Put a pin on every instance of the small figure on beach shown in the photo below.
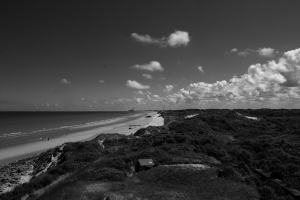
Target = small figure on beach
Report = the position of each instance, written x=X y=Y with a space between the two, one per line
x=48 y=138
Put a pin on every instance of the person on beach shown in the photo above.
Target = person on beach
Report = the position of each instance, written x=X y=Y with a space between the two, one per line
x=48 y=138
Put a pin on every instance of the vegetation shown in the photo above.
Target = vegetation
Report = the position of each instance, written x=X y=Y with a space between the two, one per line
x=235 y=145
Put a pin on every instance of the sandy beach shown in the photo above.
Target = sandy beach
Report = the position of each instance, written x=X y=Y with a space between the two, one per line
x=18 y=152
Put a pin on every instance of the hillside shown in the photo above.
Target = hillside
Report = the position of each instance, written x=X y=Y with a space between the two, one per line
x=199 y=154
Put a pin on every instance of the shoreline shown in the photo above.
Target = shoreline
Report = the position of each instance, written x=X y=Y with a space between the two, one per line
x=11 y=154
x=19 y=169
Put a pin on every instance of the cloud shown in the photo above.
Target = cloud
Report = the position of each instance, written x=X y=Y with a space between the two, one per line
x=200 y=69
x=179 y=38
x=289 y=67
x=274 y=84
x=64 y=81
x=145 y=38
x=148 y=76
x=136 y=85
x=169 y=88
x=267 y=52
x=263 y=52
x=270 y=82
x=176 y=39
x=141 y=92
x=101 y=81
x=152 y=66
x=263 y=85
x=244 y=53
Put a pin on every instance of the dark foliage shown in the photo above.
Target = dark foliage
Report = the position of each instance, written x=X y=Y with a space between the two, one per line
x=270 y=143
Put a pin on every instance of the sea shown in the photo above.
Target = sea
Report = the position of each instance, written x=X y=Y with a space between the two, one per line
x=17 y=128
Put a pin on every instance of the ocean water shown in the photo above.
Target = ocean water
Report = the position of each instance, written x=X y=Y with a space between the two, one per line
x=18 y=128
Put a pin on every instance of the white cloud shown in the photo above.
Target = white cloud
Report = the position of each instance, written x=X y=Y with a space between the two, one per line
x=264 y=52
x=200 y=69
x=137 y=85
x=141 y=92
x=178 y=38
x=169 y=88
x=148 y=76
x=289 y=67
x=267 y=52
x=101 y=81
x=64 y=81
x=244 y=53
x=152 y=66
x=275 y=84
x=144 y=38
x=262 y=83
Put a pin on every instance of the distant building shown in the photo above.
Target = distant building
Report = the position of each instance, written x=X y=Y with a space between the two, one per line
x=144 y=164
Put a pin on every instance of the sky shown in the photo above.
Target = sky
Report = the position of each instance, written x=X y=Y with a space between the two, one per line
x=141 y=54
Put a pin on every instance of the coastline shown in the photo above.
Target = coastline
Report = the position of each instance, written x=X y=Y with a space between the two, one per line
x=18 y=169
x=11 y=154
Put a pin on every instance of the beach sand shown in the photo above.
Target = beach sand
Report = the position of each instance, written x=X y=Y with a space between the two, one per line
x=18 y=152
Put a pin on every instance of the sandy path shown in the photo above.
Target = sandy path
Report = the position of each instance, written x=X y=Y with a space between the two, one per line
x=13 y=153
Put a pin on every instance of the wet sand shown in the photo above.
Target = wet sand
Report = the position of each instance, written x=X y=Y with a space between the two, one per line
x=18 y=152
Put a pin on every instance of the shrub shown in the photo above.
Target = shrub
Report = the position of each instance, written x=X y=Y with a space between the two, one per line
x=118 y=163
x=267 y=193
x=109 y=174
x=226 y=172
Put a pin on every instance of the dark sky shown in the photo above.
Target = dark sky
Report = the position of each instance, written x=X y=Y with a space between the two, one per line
x=79 y=55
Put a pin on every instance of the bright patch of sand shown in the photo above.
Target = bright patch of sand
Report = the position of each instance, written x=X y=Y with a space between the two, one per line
x=156 y=120
x=254 y=118
x=189 y=166
x=190 y=116
x=126 y=128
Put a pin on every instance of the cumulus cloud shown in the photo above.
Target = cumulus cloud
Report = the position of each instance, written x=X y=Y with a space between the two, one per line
x=178 y=38
x=263 y=52
x=262 y=82
x=152 y=66
x=289 y=67
x=169 y=88
x=148 y=76
x=200 y=69
x=136 y=85
x=274 y=84
x=101 y=81
x=266 y=52
x=64 y=81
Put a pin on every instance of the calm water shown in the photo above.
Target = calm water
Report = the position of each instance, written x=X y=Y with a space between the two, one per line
x=22 y=127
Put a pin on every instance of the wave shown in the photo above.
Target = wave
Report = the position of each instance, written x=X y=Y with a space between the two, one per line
x=43 y=130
